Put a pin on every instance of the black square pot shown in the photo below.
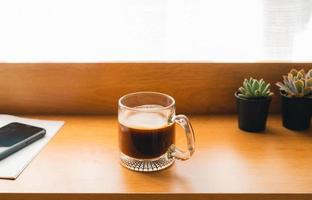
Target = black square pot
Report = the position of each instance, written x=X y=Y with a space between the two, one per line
x=296 y=112
x=252 y=113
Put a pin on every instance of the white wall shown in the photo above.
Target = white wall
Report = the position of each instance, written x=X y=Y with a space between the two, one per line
x=154 y=30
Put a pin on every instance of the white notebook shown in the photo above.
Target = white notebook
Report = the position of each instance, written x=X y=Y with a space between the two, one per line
x=13 y=165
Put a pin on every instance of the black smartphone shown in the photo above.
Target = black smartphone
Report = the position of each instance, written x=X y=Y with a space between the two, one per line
x=15 y=136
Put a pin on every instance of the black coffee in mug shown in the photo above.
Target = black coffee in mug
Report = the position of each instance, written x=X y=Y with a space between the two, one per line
x=146 y=136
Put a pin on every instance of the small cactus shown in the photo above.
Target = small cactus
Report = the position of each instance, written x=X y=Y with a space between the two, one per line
x=297 y=83
x=254 y=88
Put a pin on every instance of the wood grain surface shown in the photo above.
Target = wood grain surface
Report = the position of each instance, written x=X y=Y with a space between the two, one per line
x=198 y=88
x=82 y=162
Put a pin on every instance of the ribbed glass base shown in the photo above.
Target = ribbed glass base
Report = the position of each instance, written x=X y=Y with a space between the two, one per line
x=146 y=165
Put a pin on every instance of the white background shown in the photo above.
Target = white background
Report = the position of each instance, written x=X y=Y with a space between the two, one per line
x=155 y=30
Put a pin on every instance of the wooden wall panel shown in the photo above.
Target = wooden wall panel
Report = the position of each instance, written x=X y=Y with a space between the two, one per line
x=72 y=88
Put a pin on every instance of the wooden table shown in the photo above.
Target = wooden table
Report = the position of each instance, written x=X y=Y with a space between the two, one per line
x=81 y=162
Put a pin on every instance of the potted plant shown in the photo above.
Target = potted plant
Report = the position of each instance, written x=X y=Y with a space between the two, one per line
x=296 y=93
x=253 y=102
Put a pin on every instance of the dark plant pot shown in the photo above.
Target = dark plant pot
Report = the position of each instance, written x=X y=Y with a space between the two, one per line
x=296 y=112
x=252 y=113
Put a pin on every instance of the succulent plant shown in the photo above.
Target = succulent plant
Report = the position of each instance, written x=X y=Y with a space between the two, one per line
x=297 y=83
x=254 y=88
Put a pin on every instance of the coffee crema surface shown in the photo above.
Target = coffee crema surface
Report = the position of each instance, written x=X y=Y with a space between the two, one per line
x=145 y=135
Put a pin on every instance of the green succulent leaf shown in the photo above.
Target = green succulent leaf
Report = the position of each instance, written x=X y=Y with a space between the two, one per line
x=261 y=84
x=297 y=83
x=242 y=90
x=266 y=89
x=242 y=95
x=255 y=85
x=300 y=74
x=253 y=88
x=293 y=72
x=250 y=90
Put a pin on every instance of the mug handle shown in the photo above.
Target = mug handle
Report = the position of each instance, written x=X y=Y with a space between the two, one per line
x=175 y=152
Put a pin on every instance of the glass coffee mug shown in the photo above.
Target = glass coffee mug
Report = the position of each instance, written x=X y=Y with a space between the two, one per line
x=147 y=131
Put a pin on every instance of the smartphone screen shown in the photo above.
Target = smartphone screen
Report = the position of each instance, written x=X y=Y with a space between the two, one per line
x=14 y=133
